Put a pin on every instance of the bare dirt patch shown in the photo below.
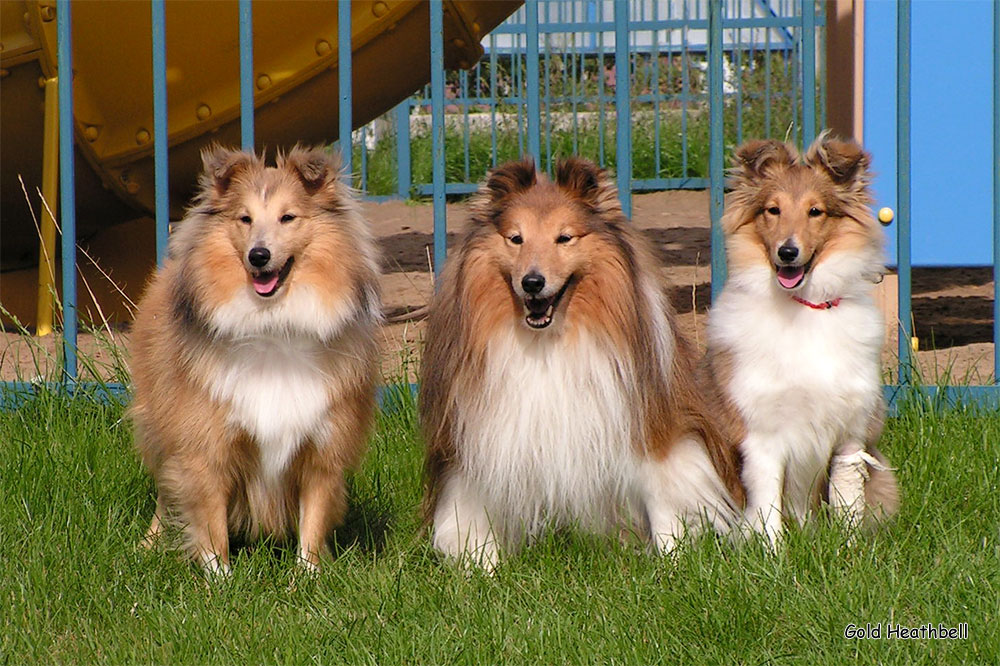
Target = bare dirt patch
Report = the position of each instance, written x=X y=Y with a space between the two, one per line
x=952 y=307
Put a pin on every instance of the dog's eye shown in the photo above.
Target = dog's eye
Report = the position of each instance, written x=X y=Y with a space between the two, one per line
x=774 y=210
x=563 y=238
x=815 y=212
x=287 y=218
x=516 y=239
x=246 y=219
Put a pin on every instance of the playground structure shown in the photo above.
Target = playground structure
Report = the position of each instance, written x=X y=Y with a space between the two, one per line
x=295 y=96
x=881 y=117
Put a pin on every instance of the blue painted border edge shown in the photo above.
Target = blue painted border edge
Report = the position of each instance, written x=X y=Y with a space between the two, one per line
x=14 y=394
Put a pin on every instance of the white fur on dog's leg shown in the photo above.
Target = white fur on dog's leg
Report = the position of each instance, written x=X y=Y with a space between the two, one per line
x=462 y=528
x=762 y=477
x=214 y=567
x=307 y=561
x=681 y=493
x=848 y=475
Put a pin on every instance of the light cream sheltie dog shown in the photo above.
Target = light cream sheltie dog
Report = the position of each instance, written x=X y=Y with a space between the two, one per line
x=555 y=389
x=254 y=355
x=795 y=337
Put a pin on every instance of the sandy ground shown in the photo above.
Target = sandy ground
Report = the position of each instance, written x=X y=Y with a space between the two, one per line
x=952 y=308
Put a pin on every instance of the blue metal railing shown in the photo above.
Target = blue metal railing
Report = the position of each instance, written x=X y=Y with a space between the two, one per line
x=518 y=67
x=576 y=46
x=67 y=187
x=345 y=82
x=996 y=190
x=159 y=38
x=903 y=191
x=246 y=75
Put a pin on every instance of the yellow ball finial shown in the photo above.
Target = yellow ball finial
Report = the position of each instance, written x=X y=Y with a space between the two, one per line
x=885 y=215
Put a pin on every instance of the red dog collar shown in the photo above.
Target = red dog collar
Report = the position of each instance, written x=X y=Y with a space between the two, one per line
x=825 y=305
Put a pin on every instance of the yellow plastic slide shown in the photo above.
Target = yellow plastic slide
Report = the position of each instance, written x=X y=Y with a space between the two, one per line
x=295 y=62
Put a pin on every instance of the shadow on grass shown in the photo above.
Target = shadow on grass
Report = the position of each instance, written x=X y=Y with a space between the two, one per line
x=366 y=526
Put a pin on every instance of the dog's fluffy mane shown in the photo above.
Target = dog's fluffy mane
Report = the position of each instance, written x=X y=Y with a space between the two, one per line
x=316 y=175
x=623 y=297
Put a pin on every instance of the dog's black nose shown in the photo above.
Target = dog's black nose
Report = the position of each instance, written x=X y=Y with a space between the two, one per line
x=259 y=256
x=532 y=283
x=787 y=253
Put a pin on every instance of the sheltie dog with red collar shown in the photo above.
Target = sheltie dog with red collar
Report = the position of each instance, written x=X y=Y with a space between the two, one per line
x=794 y=339
x=555 y=388
x=254 y=355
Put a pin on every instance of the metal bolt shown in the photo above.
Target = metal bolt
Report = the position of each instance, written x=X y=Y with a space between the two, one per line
x=204 y=112
x=142 y=136
x=48 y=13
x=130 y=185
x=886 y=215
x=322 y=47
x=91 y=132
x=379 y=9
x=263 y=82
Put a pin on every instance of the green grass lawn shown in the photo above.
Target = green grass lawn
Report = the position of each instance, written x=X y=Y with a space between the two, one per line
x=74 y=586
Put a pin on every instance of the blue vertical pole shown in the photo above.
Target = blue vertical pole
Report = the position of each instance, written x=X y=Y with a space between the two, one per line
x=996 y=192
x=903 y=187
x=344 y=81
x=160 y=128
x=808 y=71
x=437 y=132
x=623 y=108
x=716 y=171
x=246 y=75
x=534 y=107
x=67 y=186
x=403 y=177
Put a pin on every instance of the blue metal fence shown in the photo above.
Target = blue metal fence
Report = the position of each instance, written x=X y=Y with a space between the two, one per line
x=736 y=41
x=550 y=84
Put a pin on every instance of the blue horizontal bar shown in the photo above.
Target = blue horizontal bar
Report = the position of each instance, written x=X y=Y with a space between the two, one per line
x=427 y=190
x=638 y=184
x=15 y=394
x=645 y=184
x=665 y=24
x=690 y=47
x=941 y=397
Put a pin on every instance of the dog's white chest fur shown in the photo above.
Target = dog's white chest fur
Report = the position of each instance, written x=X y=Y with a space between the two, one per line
x=276 y=392
x=549 y=439
x=804 y=380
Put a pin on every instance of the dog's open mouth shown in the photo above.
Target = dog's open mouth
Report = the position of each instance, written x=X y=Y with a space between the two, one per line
x=267 y=283
x=541 y=310
x=791 y=277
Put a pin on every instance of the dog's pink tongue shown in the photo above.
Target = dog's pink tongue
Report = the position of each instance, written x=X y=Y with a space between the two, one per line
x=790 y=276
x=265 y=284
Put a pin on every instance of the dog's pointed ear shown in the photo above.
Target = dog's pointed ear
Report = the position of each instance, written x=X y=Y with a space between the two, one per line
x=846 y=162
x=510 y=178
x=501 y=182
x=221 y=165
x=316 y=168
x=590 y=184
x=754 y=158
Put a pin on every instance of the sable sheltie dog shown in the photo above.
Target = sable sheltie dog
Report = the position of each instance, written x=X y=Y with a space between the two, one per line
x=254 y=355
x=555 y=387
x=795 y=337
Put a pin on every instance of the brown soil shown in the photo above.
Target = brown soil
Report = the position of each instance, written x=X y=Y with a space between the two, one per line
x=952 y=308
